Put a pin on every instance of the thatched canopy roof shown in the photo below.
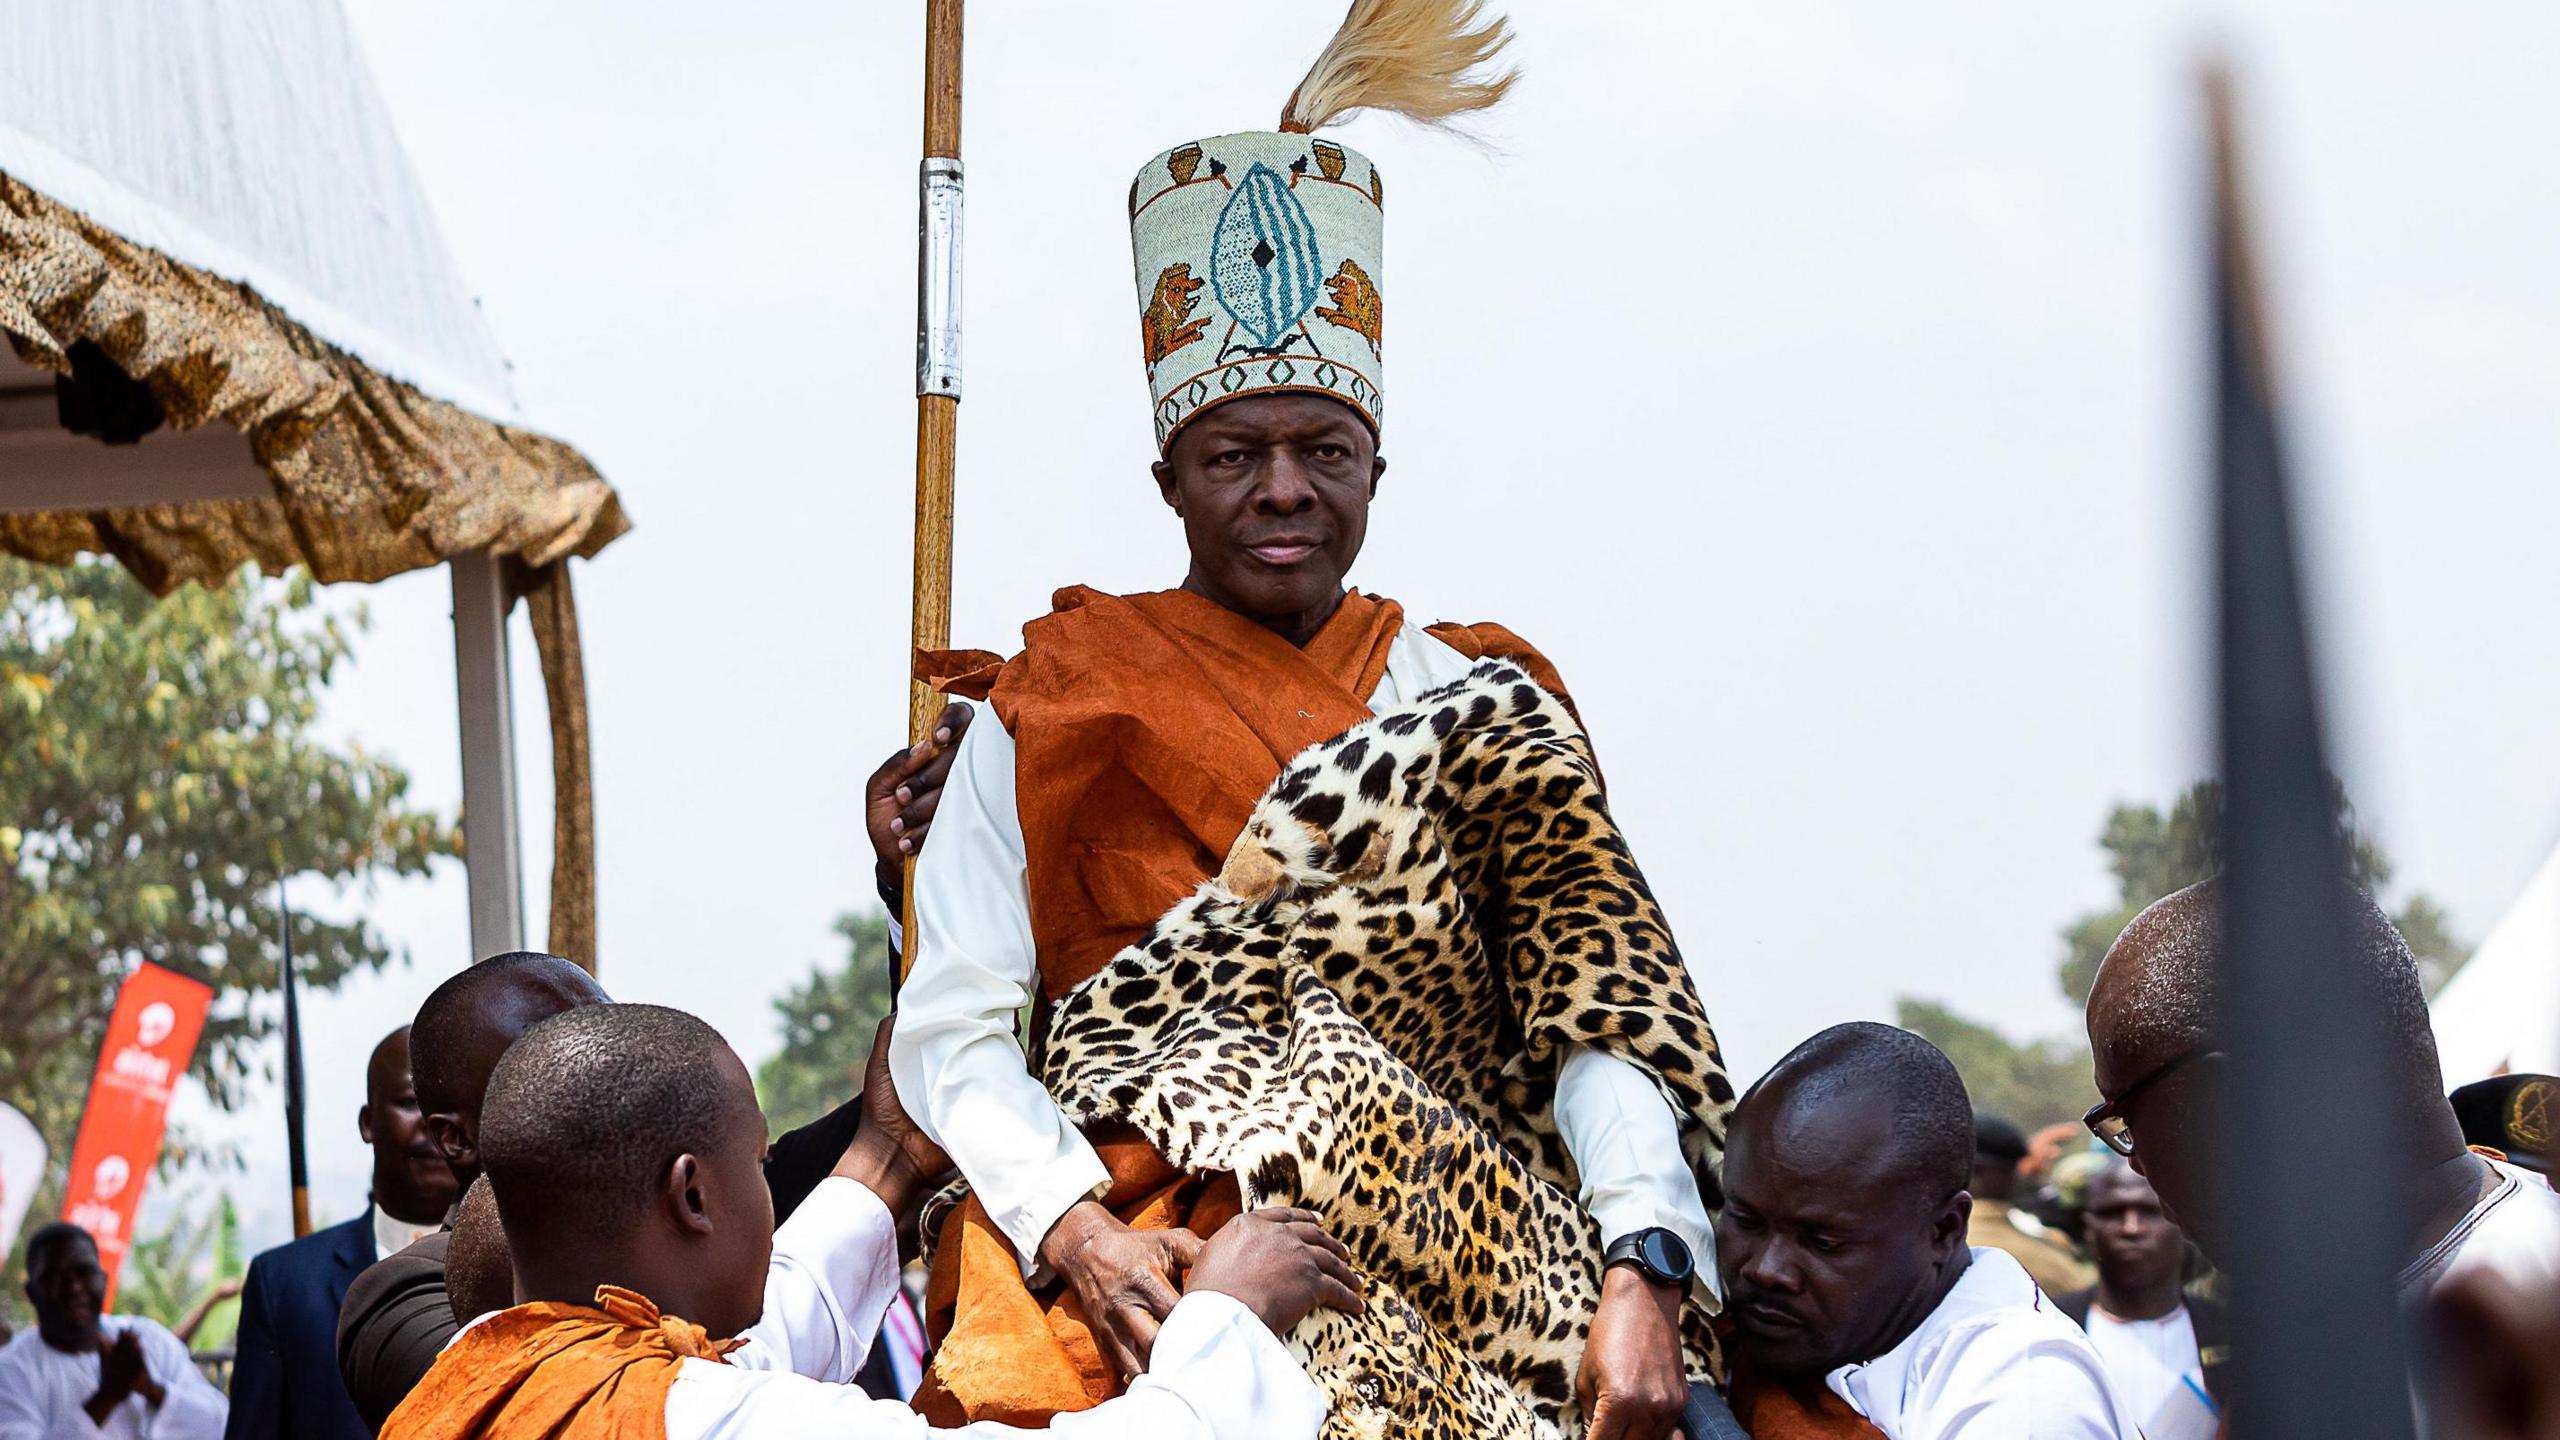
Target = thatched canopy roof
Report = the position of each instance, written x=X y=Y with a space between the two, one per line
x=204 y=213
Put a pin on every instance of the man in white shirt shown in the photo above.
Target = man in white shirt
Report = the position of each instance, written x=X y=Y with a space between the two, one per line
x=623 y=1145
x=2155 y=1030
x=2139 y=1316
x=1842 y=1245
x=82 y=1374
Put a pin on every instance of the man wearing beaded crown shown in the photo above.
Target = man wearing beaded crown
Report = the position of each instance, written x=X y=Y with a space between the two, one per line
x=1136 y=732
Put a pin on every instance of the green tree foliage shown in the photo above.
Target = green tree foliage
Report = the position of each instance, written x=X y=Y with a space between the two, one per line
x=162 y=767
x=827 y=1025
x=2152 y=855
x=2042 y=1082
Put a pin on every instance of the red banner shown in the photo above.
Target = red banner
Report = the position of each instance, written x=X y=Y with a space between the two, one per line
x=150 y=1039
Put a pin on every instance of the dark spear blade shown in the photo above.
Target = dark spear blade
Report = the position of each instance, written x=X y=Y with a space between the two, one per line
x=2320 y=1352
x=297 y=1163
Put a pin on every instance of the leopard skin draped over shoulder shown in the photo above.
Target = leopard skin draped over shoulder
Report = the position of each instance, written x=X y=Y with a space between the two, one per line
x=1363 y=1014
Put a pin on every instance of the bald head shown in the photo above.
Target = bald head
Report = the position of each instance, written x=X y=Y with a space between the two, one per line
x=623 y=1145
x=387 y=1072
x=1845 y=1201
x=468 y=1023
x=479 y=1276
x=410 y=1178
x=2158 y=993
x=587 y=1109
x=2157 y=1037
x=1885 y=1079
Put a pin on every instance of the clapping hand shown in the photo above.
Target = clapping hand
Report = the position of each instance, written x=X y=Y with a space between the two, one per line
x=121 y=1374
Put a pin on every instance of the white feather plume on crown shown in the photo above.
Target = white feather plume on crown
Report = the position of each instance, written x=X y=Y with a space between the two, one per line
x=1407 y=57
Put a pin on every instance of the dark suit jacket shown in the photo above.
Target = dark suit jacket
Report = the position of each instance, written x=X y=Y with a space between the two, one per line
x=397 y=1316
x=284 y=1383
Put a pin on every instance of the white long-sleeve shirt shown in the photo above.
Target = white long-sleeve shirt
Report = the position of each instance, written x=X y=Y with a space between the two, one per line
x=1994 y=1361
x=961 y=1070
x=1216 y=1372
x=43 y=1389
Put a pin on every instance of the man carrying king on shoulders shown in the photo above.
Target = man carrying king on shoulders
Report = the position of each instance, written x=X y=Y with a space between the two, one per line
x=1135 y=733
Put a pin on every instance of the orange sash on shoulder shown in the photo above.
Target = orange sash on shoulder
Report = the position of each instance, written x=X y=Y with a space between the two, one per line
x=1771 y=1409
x=550 y=1371
x=1145 y=727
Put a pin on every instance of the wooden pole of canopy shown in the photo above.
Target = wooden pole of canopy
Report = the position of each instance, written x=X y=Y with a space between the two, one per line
x=937 y=378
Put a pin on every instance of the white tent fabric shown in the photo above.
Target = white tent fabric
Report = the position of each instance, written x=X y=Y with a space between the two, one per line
x=2500 y=1013
x=244 y=137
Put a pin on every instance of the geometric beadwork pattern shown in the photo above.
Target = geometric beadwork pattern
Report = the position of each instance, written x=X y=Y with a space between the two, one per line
x=1285 y=232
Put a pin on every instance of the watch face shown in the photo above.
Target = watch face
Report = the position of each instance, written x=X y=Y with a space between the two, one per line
x=1665 y=1254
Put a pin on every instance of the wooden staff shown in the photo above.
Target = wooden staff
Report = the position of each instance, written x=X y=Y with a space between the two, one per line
x=937 y=380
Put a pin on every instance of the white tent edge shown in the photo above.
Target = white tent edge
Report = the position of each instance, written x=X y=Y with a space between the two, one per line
x=66 y=181
x=2500 y=1014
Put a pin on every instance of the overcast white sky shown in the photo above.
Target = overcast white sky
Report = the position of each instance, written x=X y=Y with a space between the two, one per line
x=1814 y=382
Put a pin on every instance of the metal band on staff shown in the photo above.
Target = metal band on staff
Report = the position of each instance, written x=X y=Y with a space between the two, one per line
x=939 y=197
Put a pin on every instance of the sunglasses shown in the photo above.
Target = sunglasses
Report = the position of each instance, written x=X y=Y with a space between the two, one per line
x=2106 y=1119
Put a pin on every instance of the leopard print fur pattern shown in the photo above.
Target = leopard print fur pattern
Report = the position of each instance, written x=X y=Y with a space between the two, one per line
x=1363 y=1012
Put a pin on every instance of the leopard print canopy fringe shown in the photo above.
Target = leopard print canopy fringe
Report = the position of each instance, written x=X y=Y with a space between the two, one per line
x=1363 y=1014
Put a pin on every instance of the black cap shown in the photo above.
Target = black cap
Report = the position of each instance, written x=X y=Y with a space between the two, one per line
x=2514 y=1114
x=1997 y=1139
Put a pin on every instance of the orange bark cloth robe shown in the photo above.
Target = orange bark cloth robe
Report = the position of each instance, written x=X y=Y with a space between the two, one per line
x=1146 y=728
x=550 y=1371
x=622 y=1369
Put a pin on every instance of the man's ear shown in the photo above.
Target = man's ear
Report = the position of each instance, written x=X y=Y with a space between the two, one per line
x=1377 y=472
x=686 y=1204
x=1167 y=485
x=461 y=1147
x=364 y=1121
x=1946 y=1232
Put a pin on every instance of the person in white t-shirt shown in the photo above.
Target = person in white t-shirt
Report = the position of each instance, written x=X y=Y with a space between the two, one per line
x=81 y=1374
x=623 y=1146
x=2155 y=1030
x=2139 y=1316
x=1842 y=1250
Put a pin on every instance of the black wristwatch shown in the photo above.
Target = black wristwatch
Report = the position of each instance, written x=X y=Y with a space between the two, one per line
x=1661 y=1254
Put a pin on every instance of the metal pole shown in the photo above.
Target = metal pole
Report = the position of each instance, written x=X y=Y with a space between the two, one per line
x=492 y=842
x=2316 y=1235
x=297 y=1162
x=937 y=378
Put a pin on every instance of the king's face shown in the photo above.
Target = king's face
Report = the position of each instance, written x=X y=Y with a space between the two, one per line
x=1273 y=491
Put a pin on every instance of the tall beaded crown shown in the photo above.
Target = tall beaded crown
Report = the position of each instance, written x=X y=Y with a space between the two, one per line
x=1258 y=255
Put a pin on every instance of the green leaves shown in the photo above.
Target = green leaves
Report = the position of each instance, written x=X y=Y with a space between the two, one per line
x=159 y=769
x=2039 y=1083
x=827 y=1024
x=2152 y=855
